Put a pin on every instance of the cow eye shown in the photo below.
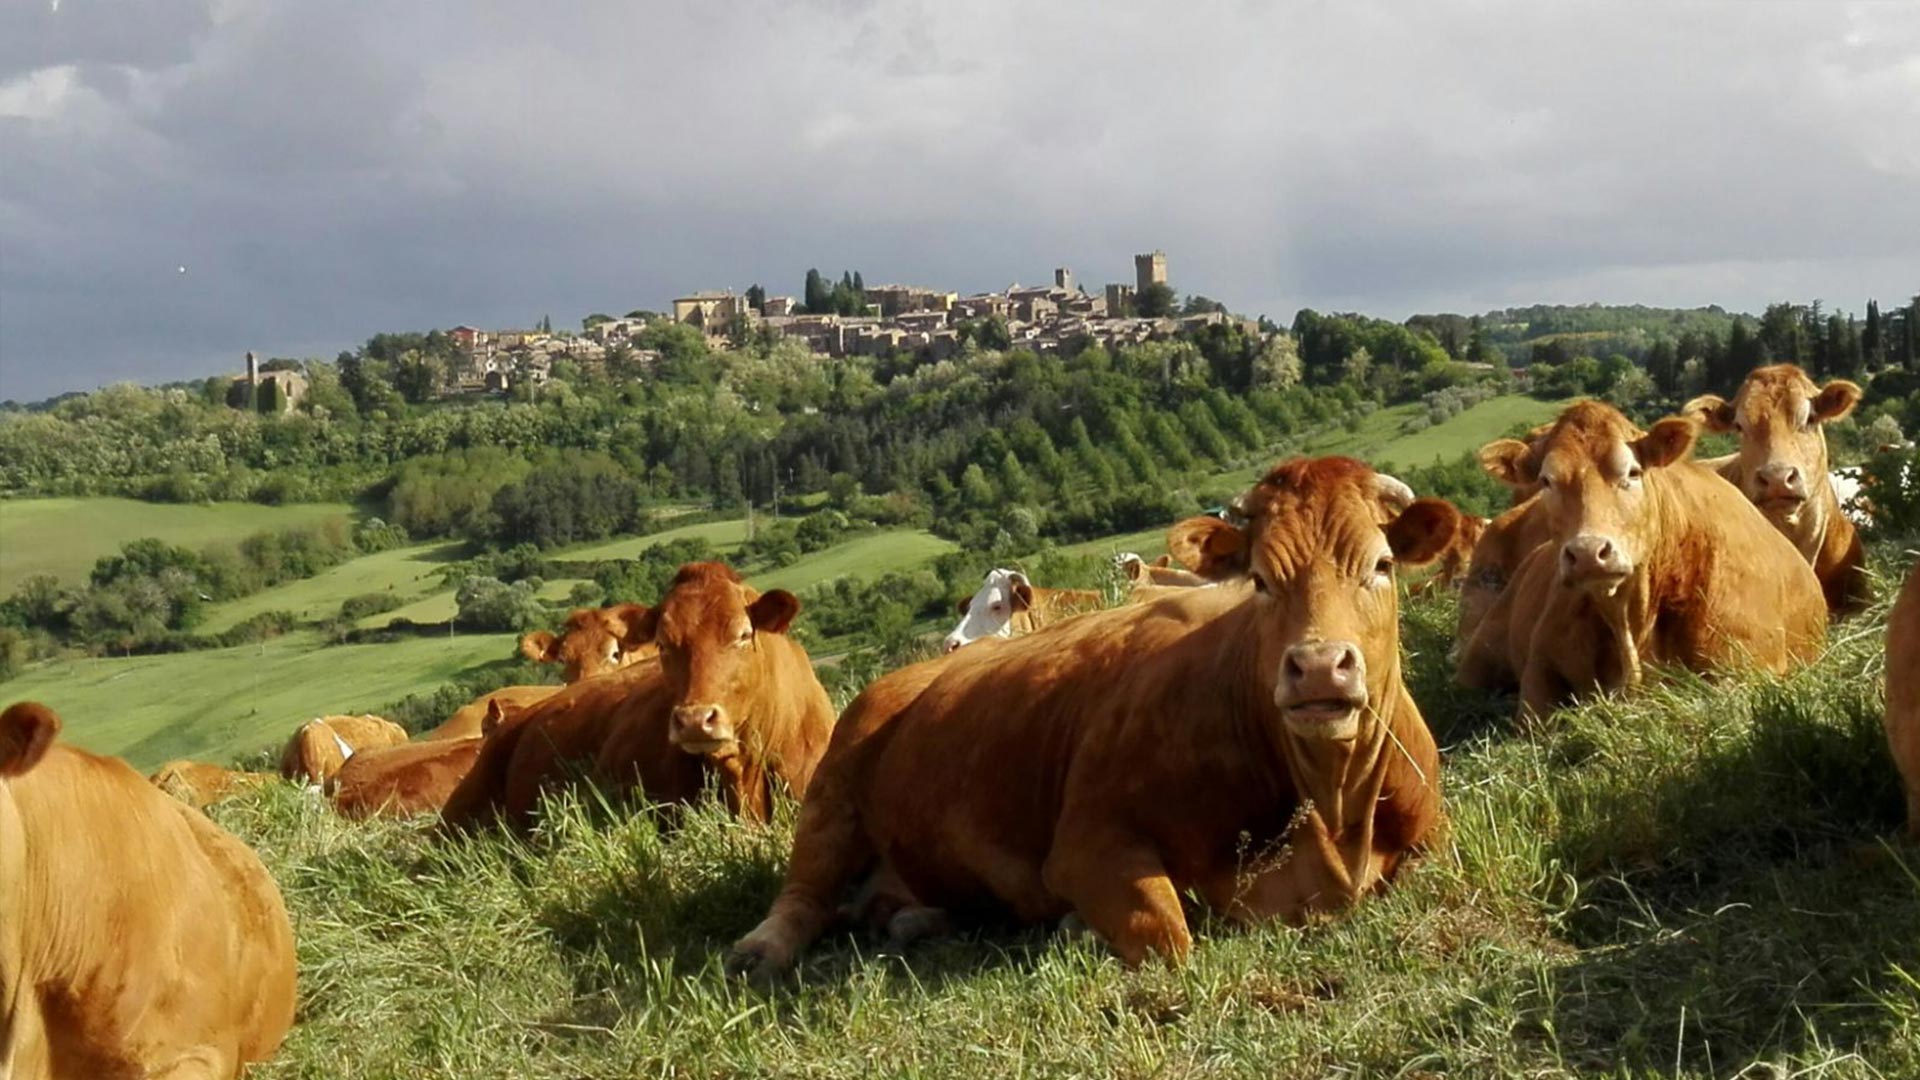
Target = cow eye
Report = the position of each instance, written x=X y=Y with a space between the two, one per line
x=1260 y=585
x=1634 y=473
x=1384 y=567
x=1739 y=428
x=997 y=607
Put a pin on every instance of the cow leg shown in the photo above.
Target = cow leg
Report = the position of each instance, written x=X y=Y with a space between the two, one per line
x=1122 y=892
x=830 y=851
x=1541 y=692
x=203 y=1063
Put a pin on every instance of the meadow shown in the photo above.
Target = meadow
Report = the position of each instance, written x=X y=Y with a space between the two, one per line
x=1694 y=881
x=65 y=537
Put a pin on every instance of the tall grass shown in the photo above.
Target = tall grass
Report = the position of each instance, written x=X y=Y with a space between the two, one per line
x=1696 y=880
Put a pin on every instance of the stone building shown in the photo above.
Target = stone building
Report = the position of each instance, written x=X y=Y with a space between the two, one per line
x=1149 y=269
x=270 y=391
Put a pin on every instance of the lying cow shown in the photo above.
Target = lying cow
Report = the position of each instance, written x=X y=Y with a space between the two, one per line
x=403 y=781
x=470 y=720
x=593 y=642
x=1255 y=749
x=322 y=745
x=731 y=699
x=1780 y=415
x=1652 y=559
x=200 y=785
x=1903 y=694
x=137 y=938
x=1008 y=605
x=1161 y=572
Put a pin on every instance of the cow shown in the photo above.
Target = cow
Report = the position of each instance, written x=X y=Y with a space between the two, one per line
x=1779 y=415
x=1903 y=694
x=137 y=938
x=1007 y=604
x=593 y=642
x=1454 y=559
x=731 y=699
x=1254 y=748
x=1486 y=597
x=403 y=781
x=1161 y=572
x=322 y=745
x=470 y=720
x=200 y=785
x=1651 y=559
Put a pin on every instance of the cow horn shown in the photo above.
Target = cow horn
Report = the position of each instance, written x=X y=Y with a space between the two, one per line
x=1393 y=492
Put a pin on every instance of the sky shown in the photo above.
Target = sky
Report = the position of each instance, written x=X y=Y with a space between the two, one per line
x=184 y=180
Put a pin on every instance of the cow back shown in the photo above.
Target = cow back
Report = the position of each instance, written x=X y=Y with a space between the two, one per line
x=402 y=781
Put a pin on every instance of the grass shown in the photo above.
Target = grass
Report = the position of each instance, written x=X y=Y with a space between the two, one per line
x=65 y=537
x=725 y=535
x=863 y=556
x=1467 y=432
x=219 y=704
x=1692 y=881
x=406 y=572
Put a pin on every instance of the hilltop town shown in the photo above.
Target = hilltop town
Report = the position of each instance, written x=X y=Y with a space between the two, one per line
x=884 y=320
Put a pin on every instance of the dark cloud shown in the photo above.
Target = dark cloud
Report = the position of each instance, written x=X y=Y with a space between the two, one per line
x=328 y=170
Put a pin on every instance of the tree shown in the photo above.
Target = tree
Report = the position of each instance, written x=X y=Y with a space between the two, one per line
x=1155 y=301
x=756 y=297
x=1872 y=342
x=1015 y=484
x=1278 y=365
x=815 y=295
x=1663 y=367
x=976 y=491
x=594 y=320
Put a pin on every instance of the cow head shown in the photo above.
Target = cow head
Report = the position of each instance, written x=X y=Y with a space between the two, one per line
x=593 y=642
x=708 y=628
x=1593 y=468
x=1320 y=543
x=1001 y=602
x=1778 y=414
x=27 y=731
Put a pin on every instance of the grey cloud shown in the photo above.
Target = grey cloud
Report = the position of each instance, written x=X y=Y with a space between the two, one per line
x=329 y=170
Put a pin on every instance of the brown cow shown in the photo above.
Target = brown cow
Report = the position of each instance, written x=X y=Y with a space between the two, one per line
x=1903 y=693
x=593 y=642
x=200 y=785
x=1486 y=597
x=402 y=781
x=322 y=745
x=1161 y=572
x=1782 y=467
x=1453 y=561
x=470 y=720
x=1256 y=749
x=137 y=938
x=1653 y=560
x=731 y=697
x=1009 y=605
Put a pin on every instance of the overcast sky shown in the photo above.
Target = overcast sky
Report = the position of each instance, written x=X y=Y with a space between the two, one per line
x=325 y=170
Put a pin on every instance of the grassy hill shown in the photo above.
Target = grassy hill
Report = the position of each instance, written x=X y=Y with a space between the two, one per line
x=408 y=572
x=217 y=704
x=65 y=537
x=1691 y=882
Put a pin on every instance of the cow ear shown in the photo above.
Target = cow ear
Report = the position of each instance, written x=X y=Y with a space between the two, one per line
x=495 y=714
x=1509 y=461
x=1208 y=547
x=961 y=607
x=1163 y=561
x=1666 y=442
x=773 y=612
x=1835 y=401
x=540 y=647
x=1711 y=411
x=1020 y=593
x=642 y=627
x=1423 y=530
x=27 y=731
x=626 y=618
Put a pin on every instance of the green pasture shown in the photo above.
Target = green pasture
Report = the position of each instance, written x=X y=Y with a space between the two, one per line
x=65 y=537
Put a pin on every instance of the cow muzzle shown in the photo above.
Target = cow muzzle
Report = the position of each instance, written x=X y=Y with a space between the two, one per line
x=1780 y=488
x=700 y=729
x=1594 y=561
x=951 y=645
x=1323 y=689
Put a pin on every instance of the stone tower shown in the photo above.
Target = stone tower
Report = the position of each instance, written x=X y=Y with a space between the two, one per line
x=1063 y=279
x=1149 y=269
x=253 y=369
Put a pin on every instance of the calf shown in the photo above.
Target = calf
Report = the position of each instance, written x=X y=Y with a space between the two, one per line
x=1008 y=605
x=1780 y=416
x=1651 y=559
x=137 y=938
x=1903 y=694
x=1255 y=749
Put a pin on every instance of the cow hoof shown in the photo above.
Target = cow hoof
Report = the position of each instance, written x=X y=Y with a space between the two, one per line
x=756 y=962
x=914 y=924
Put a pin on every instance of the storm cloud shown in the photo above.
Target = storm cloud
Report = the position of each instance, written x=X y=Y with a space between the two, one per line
x=323 y=171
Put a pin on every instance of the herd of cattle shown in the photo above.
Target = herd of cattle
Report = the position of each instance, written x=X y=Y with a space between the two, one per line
x=1239 y=732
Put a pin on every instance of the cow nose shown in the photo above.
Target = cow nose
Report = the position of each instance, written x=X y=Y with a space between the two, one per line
x=702 y=723
x=1326 y=671
x=1592 y=556
x=1777 y=480
x=952 y=645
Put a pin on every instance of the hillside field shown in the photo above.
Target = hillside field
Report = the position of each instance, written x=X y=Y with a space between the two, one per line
x=1695 y=882
x=65 y=537
x=220 y=704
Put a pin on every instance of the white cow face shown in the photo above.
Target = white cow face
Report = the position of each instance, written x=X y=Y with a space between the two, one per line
x=991 y=611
